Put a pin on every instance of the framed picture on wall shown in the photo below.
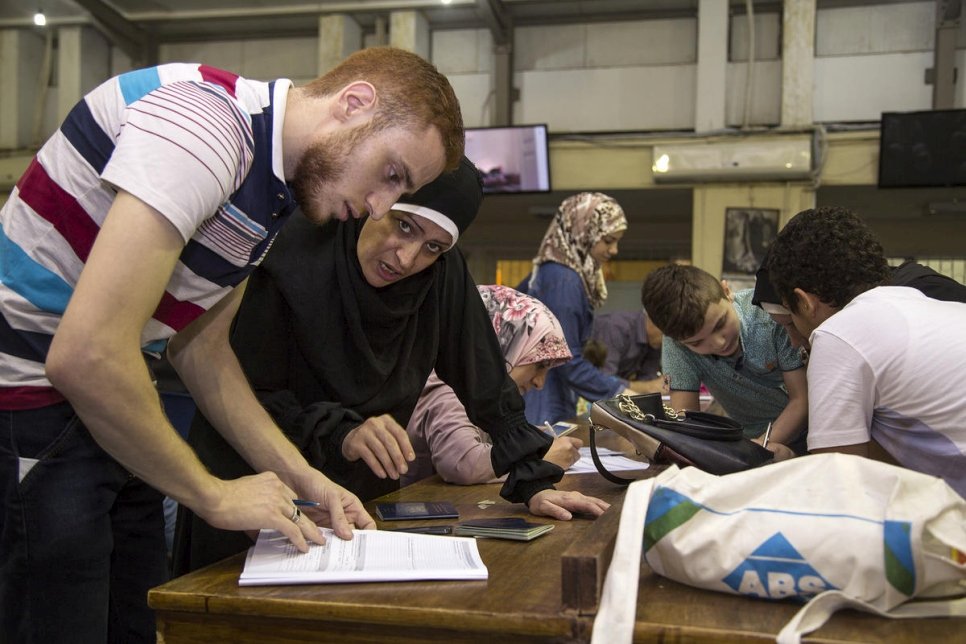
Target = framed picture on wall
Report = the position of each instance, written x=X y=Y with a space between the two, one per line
x=748 y=234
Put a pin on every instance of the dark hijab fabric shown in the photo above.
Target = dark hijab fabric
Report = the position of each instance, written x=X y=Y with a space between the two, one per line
x=324 y=350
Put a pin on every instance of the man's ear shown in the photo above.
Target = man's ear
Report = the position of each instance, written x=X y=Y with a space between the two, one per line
x=808 y=303
x=355 y=100
x=729 y=294
x=813 y=308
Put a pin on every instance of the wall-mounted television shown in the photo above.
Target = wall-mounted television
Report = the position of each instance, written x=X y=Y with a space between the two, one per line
x=922 y=149
x=511 y=159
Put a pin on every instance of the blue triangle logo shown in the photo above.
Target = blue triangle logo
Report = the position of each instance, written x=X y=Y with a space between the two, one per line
x=776 y=570
x=777 y=546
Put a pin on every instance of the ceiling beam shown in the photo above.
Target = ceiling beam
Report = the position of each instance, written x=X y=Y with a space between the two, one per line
x=130 y=38
x=497 y=20
x=313 y=9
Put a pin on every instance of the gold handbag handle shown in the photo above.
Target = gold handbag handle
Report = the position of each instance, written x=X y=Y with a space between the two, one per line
x=627 y=405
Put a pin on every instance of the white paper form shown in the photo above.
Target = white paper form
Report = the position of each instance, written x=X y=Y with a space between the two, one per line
x=371 y=555
x=613 y=461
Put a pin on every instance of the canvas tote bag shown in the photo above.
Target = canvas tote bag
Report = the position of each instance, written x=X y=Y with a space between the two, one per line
x=829 y=530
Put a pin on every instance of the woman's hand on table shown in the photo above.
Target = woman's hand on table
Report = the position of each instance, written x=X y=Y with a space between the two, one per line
x=560 y=504
x=564 y=452
x=383 y=444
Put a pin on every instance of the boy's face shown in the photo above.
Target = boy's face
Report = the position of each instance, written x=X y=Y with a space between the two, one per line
x=720 y=334
x=787 y=322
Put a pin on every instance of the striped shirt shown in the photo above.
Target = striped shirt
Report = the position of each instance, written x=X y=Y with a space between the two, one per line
x=200 y=145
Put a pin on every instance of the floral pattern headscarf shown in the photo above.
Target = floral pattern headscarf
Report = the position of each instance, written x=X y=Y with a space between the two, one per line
x=581 y=221
x=525 y=328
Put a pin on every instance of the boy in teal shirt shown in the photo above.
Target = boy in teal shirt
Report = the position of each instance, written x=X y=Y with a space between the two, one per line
x=743 y=357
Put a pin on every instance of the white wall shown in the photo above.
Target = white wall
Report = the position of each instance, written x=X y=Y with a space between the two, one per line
x=266 y=59
x=640 y=75
x=465 y=56
x=21 y=56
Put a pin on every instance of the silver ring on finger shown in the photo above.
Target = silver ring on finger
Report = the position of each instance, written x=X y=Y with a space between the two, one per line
x=296 y=514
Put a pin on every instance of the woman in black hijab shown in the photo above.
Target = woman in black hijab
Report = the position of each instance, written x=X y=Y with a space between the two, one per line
x=338 y=331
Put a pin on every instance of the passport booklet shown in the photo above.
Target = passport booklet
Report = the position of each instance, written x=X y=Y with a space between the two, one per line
x=412 y=510
x=502 y=528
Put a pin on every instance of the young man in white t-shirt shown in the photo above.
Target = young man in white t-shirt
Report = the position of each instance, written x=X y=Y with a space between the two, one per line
x=885 y=360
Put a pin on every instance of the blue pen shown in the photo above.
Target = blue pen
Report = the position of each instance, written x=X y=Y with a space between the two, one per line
x=306 y=504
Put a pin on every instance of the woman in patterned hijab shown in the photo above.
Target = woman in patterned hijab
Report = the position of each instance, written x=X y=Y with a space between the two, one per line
x=568 y=279
x=444 y=438
x=528 y=333
x=582 y=236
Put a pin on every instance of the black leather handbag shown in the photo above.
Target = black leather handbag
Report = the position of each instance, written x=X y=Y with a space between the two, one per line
x=709 y=442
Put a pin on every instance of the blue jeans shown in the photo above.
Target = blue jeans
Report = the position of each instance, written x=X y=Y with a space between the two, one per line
x=81 y=539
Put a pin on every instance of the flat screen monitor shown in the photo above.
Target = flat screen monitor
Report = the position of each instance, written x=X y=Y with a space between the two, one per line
x=922 y=149
x=512 y=159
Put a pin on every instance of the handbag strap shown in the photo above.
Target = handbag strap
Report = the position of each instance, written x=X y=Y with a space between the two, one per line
x=613 y=478
x=702 y=428
x=691 y=423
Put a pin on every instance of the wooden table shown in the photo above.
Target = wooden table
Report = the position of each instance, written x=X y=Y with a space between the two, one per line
x=542 y=591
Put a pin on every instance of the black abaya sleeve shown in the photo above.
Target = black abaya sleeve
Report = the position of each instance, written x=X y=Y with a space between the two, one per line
x=265 y=344
x=471 y=362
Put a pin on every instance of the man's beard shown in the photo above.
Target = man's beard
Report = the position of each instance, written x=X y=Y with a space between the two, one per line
x=323 y=164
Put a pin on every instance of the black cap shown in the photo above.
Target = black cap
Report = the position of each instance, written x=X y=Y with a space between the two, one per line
x=451 y=201
x=765 y=295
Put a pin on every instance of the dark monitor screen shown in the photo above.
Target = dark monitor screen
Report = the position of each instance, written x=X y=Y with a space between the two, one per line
x=511 y=159
x=922 y=149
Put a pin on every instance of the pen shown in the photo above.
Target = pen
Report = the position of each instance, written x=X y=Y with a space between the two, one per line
x=306 y=504
x=428 y=529
x=548 y=426
x=764 y=443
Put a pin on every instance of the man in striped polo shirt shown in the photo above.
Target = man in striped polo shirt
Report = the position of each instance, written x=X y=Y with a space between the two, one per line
x=130 y=232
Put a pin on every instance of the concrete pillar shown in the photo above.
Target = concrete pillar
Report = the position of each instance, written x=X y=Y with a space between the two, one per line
x=709 y=96
x=798 y=62
x=504 y=94
x=83 y=62
x=409 y=30
x=21 y=59
x=944 y=54
x=339 y=36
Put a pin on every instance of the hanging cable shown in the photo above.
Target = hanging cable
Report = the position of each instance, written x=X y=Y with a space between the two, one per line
x=750 y=66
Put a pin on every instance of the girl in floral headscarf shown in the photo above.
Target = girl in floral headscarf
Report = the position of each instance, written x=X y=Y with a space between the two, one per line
x=442 y=435
x=568 y=278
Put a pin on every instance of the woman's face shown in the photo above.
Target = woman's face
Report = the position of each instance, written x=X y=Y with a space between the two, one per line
x=605 y=249
x=529 y=376
x=399 y=246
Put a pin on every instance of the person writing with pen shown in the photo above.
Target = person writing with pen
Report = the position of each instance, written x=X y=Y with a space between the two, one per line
x=132 y=232
x=720 y=339
x=445 y=440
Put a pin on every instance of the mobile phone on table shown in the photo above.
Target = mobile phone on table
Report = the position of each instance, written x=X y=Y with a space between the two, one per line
x=563 y=428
